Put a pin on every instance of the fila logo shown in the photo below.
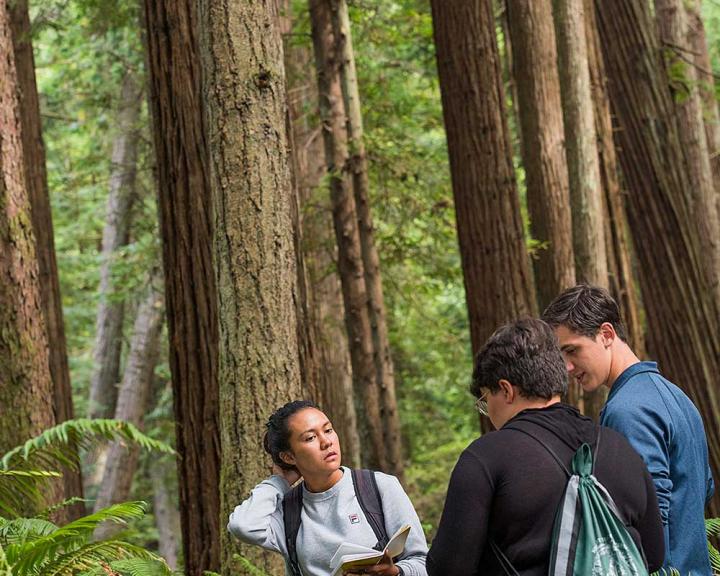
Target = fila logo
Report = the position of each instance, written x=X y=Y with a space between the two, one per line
x=354 y=518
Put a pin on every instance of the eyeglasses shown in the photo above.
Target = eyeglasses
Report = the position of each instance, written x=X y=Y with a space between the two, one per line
x=481 y=404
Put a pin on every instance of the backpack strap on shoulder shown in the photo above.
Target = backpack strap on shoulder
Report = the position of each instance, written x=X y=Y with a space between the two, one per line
x=544 y=445
x=292 y=508
x=368 y=495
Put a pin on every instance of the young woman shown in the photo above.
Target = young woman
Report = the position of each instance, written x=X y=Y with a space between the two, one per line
x=303 y=444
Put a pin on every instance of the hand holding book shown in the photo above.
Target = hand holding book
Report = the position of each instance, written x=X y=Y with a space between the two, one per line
x=352 y=558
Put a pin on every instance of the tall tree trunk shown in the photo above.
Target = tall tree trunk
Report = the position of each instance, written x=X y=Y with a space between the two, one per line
x=347 y=234
x=619 y=245
x=37 y=185
x=498 y=282
x=242 y=60
x=167 y=516
x=26 y=387
x=320 y=251
x=586 y=193
x=680 y=305
x=541 y=123
x=371 y=260
x=675 y=38
x=108 y=337
x=132 y=403
x=706 y=84
x=185 y=207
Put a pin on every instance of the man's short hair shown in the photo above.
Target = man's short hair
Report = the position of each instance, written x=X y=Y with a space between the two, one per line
x=583 y=309
x=526 y=354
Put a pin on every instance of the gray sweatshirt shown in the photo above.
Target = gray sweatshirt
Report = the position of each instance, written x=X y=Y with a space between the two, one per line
x=328 y=519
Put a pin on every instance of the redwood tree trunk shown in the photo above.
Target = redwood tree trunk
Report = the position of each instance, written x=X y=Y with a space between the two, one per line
x=675 y=37
x=185 y=207
x=108 y=337
x=132 y=403
x=541 y=123
x=350 y=261
x=26 y=387
x=167 y=516
x=37 y=185
x=255 y=265
x=621 y=277
x=681 y=308
x=320 y=252
x=498 y=282
x=371 y=260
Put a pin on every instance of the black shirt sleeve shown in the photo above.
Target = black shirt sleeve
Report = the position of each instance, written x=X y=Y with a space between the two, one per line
x=462 y=533
x=650 y=528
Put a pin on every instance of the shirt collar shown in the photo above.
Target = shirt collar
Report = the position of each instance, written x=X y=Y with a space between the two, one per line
x=628 y=373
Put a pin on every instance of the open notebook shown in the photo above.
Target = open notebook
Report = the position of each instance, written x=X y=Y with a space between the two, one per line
x=352 y=555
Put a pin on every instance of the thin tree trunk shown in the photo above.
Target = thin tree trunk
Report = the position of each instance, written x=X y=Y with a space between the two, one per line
x=350 y=261
x=498 y=281
x=371 y=260
x=132 y=403
x=541 y=123
x=26 y=386
x=675 y=37
x=37 y=184
x=255 y=265
x=706 y=83
x=619 y=244
x=167 y=516
x=320 y=251
x=185 y=208
x=108 y=337
x=679 y=302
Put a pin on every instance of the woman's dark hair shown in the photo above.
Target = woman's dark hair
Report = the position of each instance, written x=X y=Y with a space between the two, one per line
x=583 y=309
x=277 y=437
x=526 y=354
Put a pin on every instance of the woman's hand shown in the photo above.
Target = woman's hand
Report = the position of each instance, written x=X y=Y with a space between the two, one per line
x=385 y=567
x=291 y=475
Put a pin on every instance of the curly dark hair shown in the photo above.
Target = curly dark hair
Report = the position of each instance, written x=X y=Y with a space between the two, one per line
x=526 y=354
x=277 y=437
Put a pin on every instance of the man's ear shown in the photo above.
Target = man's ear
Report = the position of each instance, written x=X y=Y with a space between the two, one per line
x=507 y=390
x=607 y=334
x=288 y=458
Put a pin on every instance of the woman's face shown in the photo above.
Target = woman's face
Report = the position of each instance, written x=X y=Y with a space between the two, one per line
x=314 y=446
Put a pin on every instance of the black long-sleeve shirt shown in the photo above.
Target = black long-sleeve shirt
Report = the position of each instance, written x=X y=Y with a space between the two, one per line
x=507 y=487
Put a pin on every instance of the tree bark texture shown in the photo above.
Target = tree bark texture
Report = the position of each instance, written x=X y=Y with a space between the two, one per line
x=706 y=84
x=682 y=313
x=498 y=282
x=167 y=515
x=132 y=402
x=320 y=252
x=674 y=28
x=541 y=123
x=26 y=387
x=586 y=195
x=255 y=265
x=347 y=234
x=108 y=337
x=185 y=208
x=621 y=276
x=371 y=259
x=37 y=185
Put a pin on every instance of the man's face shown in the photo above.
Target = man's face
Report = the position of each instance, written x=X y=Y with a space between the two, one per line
x=587 y=360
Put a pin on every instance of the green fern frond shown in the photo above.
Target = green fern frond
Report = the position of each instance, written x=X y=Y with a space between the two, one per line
x=92 y=555
x=712 y=526
x=64 y=504
x=134 y=567
x=714 y=558
x=23 y=530
x=59 y=444
x=249 y=567
x=5 y=569
x=72 y=536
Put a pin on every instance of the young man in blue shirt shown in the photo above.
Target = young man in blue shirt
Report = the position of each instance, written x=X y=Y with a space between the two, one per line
x=658 y=419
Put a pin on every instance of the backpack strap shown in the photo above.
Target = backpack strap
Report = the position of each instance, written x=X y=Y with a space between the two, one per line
x=368 y=495
x=544 y=445
x=505 y=564
x=292 y=508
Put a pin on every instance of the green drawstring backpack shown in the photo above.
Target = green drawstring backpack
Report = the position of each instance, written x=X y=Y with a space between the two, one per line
x=589 y=535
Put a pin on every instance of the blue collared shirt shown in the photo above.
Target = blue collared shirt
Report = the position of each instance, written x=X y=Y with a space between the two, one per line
x=666 y=429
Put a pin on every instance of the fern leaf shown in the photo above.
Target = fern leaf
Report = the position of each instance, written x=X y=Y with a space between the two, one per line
x=94 y=554
x=21 y=530
x=134 y=567
x=712 y=526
